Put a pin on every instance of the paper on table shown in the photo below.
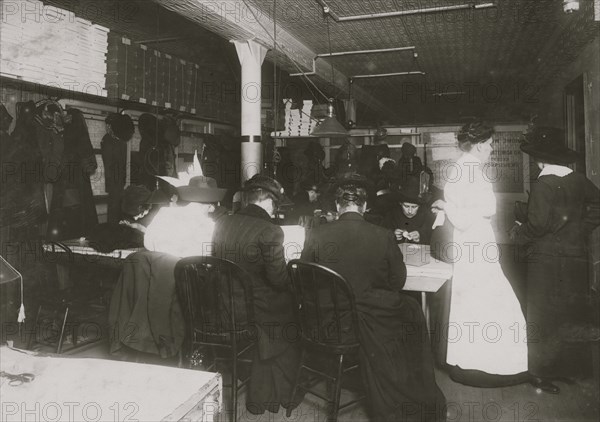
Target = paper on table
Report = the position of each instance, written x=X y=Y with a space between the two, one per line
x=173 y=181
x=293 y=241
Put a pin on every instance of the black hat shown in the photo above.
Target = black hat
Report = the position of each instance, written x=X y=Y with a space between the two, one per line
x=308 y=184
x=147 y=124
x=408 y=149
x=268 y=184
x=353 y=179
x=201 y=189
x=410 y=192
x=121 y=125
x=547 y=144
x=134 y=197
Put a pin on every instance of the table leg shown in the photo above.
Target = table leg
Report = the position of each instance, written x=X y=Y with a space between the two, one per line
x=64 y=279
x=425 y=310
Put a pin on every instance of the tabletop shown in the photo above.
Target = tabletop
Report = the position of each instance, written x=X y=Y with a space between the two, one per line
x=423 y=272
x=67 y=389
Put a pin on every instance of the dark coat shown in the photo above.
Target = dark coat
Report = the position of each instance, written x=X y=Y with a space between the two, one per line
x=422 y=222
x=114 y=157
x=144 y=312
x=22 y=199
x=395 y=356
x=251 y=240
x=73 y=211
x=561 y=212
x=409 y=167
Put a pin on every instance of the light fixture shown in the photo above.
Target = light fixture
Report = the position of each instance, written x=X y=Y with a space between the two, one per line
x=330 y=127
x=570 y=6
x=350 y=107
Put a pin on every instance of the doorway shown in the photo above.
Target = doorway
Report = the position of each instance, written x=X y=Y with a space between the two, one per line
x=575 y=120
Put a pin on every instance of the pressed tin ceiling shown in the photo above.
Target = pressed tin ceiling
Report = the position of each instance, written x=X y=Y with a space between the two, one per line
x=480 y=61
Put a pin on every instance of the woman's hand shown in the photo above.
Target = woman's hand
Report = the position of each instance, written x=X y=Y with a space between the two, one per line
x=401 y=235
x=414 y=236
x=136 y=226
x=438 y=206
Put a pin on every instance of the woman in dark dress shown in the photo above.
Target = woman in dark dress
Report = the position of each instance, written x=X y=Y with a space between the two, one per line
x=563 y=208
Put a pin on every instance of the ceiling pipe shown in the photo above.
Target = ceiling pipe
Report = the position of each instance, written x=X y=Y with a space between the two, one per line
x=348 y=53
x=378 y=50
x=311 y=73
x=383 y=75
x=327 y=10
x=160 y=40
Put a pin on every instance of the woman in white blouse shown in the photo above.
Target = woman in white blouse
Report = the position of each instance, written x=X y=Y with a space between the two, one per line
x=487 y=343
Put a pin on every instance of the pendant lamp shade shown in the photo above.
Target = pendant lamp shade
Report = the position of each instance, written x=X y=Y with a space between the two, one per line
x=330 y=127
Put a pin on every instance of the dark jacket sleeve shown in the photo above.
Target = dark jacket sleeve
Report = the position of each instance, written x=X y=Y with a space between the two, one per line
x=396 y=264
x=389 y=220
x=425 y=229
x=271 y=248
x=591 y=218
x=539 y=212
x=308 y=251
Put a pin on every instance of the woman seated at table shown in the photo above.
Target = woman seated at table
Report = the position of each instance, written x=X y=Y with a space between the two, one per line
x=410 y=221
x=186 y=229
x=129 y=232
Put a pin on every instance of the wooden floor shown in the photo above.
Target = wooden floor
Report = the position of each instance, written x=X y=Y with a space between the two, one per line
x=577 y=402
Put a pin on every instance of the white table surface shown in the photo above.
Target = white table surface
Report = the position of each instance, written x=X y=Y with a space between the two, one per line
x=115 y=391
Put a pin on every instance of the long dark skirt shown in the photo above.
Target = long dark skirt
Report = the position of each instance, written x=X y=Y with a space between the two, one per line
x=396 y=361
x=557 y=301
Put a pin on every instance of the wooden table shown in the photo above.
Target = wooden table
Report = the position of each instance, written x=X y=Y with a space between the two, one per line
x=78 y=251
x=68 y=389
x=428 y=276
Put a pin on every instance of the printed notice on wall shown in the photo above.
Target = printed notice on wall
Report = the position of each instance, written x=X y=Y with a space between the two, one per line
x=504 y=169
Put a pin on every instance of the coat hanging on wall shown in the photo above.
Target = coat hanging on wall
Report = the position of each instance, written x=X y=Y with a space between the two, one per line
x=114 y=156
x=73 y=211
x=22 y=202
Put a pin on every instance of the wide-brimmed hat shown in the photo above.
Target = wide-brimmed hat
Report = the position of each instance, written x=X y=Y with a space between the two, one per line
x=410 y=192
x=548 y=144
x=268 y=184
x=201 y=189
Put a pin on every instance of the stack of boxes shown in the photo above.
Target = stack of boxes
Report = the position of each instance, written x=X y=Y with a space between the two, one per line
x=139 y=73
x=50 y=46
x=297 y=121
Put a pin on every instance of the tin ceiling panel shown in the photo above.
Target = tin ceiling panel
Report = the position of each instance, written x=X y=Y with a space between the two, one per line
x=517 y=45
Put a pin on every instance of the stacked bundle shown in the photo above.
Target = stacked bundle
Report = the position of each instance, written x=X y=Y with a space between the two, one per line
x=51 y=47
x=305 y=125
x=298 y=122
x=290 y=117
x=139 y=73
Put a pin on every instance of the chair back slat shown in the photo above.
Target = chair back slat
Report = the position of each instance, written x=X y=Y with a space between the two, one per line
x=326 y=304
x=215 y=296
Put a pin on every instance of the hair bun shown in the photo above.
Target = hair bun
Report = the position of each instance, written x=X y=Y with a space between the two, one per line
x=475 y=132
x=350 y=197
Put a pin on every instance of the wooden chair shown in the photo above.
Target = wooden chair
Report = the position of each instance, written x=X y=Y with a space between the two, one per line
x=67 y=312
x=216 y=300
x=329 y=325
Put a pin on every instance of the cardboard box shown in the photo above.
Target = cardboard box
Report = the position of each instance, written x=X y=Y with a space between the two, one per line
x=414 y=254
